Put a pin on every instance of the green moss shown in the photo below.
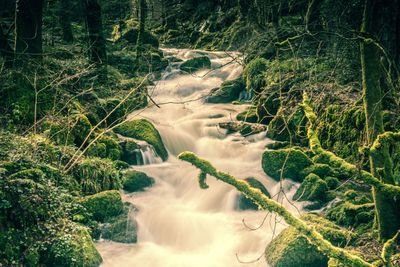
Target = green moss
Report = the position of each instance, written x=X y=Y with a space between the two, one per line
x=245 y=203
x=292 y=161
x=291 y=249
x=332 y=182
x=75 y=249
x=96 y=175
x=104 y=205
x=144 y=130
x=136 y=181
x=348 y=214
x=253 y=74
x=81 y=128
x=32 y=174
x=123 y=228
x=322 y=170
x=227 y=92
x=313 y=188
x=195 y=64
x=120 y=165
x=249 y=115
x=129 y=152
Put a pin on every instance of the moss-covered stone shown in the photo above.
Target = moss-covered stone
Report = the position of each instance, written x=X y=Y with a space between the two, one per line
x=74 y=249
x=136 y=181
x=227 y=92
x=253 y=75
x=130 y=149
x=81 y=127
x=292 y=161
x=195 y=64
x=332 y=182
x=313 y=188
x=267 y=106
x=104 y=205
x=144 y=130
x=348 y=214
x=322 y=170
x=148 y=38
x=245 y=203
x=248 y=115
x=292 y=249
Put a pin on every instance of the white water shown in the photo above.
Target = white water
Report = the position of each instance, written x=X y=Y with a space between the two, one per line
x=180 y=224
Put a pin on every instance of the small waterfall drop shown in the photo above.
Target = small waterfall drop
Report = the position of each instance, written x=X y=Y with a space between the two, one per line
x=179 y=224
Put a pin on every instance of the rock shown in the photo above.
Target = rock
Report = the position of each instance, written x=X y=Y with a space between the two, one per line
x=267 y=107
x=105 y=147
x=244 y=128
x=73 y=249
x=245 y=203
x=144 y=130
x=249 y=115
x=293 y=163
x=195 y=64
x=313 y=188
x=278 y=145
x=136 y=181
x=253 y=75
x=227 y=92
x=148 y=38
x=129 y=149
x=322 y=170
x=104 y=205
x=123 y=228
x=348 y=214
x=292 y=249
x=332 y=182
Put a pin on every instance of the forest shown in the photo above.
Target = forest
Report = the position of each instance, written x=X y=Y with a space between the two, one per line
x=115 y=116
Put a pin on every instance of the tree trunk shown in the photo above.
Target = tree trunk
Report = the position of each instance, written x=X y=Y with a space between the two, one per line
x=387 y=210
x=28 y=30
x=142 y=21
x=65 y=21
x=97 y=43
x=5 y=49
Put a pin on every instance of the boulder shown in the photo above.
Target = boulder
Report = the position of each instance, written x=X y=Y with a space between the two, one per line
x=104 y=205
x=195 y=64
x=244 y=128
x=148 y=38
x=227 y=92
x=136 y=181
x=313 y=188
x=245 y=203
x=123 y=228
x=292 y=160
x=249 y=115
x=143 y=130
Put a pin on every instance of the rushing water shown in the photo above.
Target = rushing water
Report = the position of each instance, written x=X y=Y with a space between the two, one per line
x=180 y=224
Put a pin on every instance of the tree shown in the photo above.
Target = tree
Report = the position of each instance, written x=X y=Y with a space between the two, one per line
x=28 y=30
x=97 y=42
x=65 y=21
x=387 y=208
x=142 y=21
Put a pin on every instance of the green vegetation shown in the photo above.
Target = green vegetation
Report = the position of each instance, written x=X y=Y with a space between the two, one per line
x=104 y=205
x=243 y=202
x=136 y=181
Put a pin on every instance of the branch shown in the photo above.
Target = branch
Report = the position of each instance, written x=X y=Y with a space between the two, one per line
x=268 y=204
x=348 y=168
x=387 y=250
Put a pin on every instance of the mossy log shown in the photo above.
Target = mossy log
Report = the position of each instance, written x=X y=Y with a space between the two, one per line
x=348 y=168
x=268 y=204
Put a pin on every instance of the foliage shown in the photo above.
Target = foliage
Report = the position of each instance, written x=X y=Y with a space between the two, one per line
x=104 y=205
x=136 y=181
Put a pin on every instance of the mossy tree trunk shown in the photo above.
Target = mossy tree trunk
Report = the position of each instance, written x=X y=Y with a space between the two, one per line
x=97 y=42
x=28 y=30
x=387 y=209
x=142 y=22
x=65 y=21
x=5 y=49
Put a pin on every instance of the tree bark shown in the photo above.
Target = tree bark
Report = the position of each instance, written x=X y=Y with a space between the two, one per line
x=387 y=209
x=97 y=43
x=28 y=29
x=142 y=21
x=65 y=21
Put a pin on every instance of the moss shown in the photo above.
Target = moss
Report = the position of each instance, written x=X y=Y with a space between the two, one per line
x=243 y=202
x=136 y=181
x=144 y=130
x=120 y=165
x=292 y=249
x=195 y=64
x=253 y=74
x=81 y=128
x=268 y=105
x=75 y=249
x=129 y=152
x=322 y=170
x=278 y=145
x=132 y=35
x=332 y=182
x=313 y=188
x=348 y=214
x=227 y=92
x=96 y=175
x=104 y=205
x=248 y=115
x=32 y=174
x=292 y=161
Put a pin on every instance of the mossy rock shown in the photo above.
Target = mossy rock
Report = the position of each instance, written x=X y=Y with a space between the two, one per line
x=121 y=165
x=123 y=228
x=267 y=107
x=129 y=152
x=227 y=92
x=104 y=205
x=248 y=115
x=348 y=214
x=81 y=128
x=294 y=161
x=132 y=35
x=195 y=64
x=253 y=75
x=291 y=249
x=245 y=203
x=332 y=182
x=136 y=181
x=313 y=188
x=144 y=130
x=73 y=249
x=278 y=145
x=32 y=174
x=322 y=170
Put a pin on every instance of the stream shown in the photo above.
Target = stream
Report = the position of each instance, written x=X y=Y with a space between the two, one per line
x=179 y=224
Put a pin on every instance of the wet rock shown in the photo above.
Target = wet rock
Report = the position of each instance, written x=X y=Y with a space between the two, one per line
x=244 y=128
x=245 y=203
x=136 y=181
x=227 y=92
x=123 y=228
x=148 y=38
x=248 y=116
x=195 y=64
x=104 y=205
x=313 y=188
